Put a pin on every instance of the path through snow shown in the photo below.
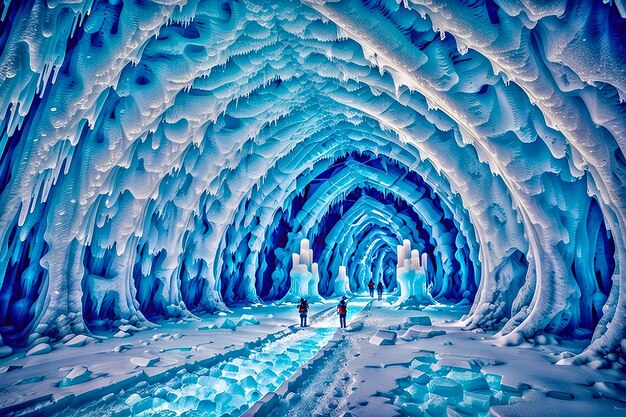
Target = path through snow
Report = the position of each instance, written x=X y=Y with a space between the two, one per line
x=440 y=370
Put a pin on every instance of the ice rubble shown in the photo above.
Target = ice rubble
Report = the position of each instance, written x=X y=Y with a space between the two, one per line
x=133 y=191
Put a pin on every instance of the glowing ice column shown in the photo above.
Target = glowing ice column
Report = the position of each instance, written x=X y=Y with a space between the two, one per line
x=314 y=294
x=342 y=283
x=304 y=276
x=411 y=274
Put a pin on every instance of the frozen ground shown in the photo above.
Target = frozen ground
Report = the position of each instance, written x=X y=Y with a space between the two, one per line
x=193 y=369
x=458 y=373
x=147 y=359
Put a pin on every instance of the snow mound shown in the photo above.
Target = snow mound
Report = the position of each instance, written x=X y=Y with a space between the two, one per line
x=384 y=337
x=228 y=324
x=421 y=332
x=77 y=375
x=144 y=361
x=40 y=349
x=129 y=328
x=77 y=341
x=416 y=303
x=5 y=351
x=122 y=348
x=511 y=339
x=247 y=320
x=418 y=320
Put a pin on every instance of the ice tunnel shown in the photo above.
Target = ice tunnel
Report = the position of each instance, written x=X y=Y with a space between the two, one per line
x=163 y=160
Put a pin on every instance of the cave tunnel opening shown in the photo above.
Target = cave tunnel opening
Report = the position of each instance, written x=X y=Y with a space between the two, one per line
x=445 y=274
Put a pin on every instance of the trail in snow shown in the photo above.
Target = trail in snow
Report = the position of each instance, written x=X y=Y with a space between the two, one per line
x=326 y=390
x=230 y=386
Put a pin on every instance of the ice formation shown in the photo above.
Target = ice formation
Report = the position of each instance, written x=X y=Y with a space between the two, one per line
x=304 y=276
x=342 y=283
x=411 y=273
x=161 y=159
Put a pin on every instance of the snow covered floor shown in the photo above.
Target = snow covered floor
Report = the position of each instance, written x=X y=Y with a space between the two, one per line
x=194 y=368
x=199 y=369
x=456 y=373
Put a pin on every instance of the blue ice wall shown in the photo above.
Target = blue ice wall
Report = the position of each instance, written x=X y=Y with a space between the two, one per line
x=159 y=159
x=360 y=214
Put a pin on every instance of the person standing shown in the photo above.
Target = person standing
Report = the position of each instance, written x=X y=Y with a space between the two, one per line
x=370 y=285
x=380 y=287
x=342 y=309
x=303 y=308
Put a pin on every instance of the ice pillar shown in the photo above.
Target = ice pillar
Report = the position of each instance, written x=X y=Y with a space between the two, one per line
x=411 y=274
x=304 y=275
x=342 y=283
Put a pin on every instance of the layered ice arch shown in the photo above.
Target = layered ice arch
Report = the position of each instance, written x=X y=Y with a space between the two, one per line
x=159 y=159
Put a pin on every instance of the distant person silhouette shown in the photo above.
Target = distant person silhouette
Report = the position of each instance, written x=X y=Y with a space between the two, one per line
x=342 y=309
x=380 y=287
x=370 y=285
x=303 y=308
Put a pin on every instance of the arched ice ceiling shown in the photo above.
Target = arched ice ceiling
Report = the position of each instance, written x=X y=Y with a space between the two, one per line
x=149 y=148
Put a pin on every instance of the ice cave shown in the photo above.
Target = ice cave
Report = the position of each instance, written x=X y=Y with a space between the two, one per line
x=182 y=182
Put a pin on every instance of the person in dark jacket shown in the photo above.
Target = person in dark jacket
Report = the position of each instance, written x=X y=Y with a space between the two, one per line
x=370 y=285
x=342 y=309
x=380 y=287
x=303 y=308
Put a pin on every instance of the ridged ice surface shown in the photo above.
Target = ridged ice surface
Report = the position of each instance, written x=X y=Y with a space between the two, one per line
x=161 y=158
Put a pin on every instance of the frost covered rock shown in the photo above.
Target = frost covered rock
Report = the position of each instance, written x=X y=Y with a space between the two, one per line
x=77 y=341
x=121 y=334
x=228 y=324
x=511 y=339
x=418 y=320
x=129 y=328
x=40 y=349
x=247 y=320
x=122 y=348
x=415 y=303
x=5 y=351
x=144 y=361
x=77 y=375
x=208 y=327
x=421 y=332
x=611 y=390
x=384 y=337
